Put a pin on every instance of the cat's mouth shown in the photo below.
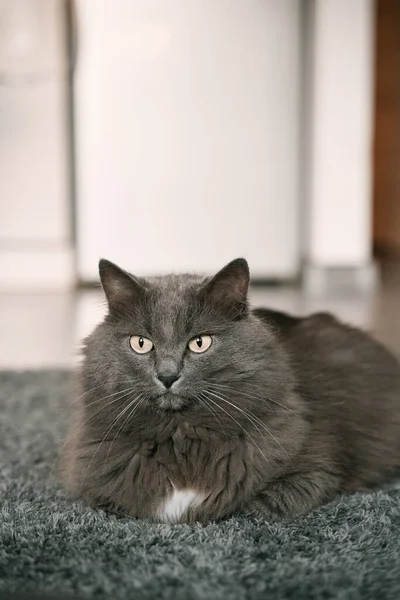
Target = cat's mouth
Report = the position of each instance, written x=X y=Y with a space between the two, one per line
x=170 y=401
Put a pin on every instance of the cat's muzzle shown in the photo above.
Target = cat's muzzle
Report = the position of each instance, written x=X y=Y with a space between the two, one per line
x=171 y=401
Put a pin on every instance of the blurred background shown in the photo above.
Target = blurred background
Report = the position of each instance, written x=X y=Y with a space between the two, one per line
x=176 y=135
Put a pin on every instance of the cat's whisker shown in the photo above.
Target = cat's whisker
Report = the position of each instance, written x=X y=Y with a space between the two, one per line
x=78 y=399
x=120 y=397
x=251 y=417
x=129 y=389
x=239 y=409
x=265 y=399
x=239 y=424
x=140 y=400
x=203 y=399
x=72 y=404
x=120 y=414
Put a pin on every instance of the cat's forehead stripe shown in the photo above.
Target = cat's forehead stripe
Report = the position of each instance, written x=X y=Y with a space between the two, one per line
x=174 y=299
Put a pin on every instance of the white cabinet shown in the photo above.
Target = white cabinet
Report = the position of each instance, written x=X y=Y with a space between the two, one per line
x=35 y=232
x=187 y=135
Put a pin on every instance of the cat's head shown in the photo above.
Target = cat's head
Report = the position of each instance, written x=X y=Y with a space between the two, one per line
x=180 y=340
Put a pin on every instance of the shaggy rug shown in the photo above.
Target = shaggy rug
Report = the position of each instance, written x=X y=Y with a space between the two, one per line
x=51 y=544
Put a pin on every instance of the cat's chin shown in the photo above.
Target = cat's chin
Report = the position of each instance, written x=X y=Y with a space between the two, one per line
x=170 y=401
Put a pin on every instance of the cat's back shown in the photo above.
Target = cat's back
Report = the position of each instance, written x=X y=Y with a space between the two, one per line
x=351 y=385
x=345 y=366
x=320 y=341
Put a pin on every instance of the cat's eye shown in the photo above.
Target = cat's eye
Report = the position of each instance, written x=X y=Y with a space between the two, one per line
x=200 y=343
x=140 y=344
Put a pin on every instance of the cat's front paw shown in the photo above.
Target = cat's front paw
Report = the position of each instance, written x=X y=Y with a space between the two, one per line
x=292 y=495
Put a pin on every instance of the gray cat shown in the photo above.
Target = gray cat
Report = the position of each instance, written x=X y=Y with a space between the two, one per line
x=194 y=407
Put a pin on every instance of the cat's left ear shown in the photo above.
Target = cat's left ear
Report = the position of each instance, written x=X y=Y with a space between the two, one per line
x=229 y=286
x=119 y=286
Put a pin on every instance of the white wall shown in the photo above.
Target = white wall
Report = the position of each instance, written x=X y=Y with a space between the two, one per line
x=340 y=108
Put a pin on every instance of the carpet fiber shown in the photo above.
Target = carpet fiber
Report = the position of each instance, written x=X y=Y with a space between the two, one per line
x=52 y=544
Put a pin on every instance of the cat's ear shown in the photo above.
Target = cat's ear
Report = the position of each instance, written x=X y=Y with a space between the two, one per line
x=118 y=285
x=230 y=285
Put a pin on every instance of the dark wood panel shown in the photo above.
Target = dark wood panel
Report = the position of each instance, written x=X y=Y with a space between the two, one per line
x=386 y=151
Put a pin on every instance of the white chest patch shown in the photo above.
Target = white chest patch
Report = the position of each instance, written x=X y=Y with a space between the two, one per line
x=172 y=509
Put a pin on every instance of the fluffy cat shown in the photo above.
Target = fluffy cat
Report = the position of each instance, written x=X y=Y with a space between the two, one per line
x=193 y=407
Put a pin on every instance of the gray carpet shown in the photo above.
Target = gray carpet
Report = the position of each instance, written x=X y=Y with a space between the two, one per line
x=52 y=544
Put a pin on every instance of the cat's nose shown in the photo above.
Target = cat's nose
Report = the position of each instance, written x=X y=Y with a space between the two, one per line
x=168 y=378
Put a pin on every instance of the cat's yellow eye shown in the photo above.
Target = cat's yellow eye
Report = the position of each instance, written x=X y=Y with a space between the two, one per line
x=140 y=344
x=200 y=343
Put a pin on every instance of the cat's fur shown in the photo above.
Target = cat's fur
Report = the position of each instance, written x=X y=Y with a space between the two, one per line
x=277 y=417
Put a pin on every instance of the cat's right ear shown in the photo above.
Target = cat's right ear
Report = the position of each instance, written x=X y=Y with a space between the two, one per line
x=228 y=288
x=119 y=286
